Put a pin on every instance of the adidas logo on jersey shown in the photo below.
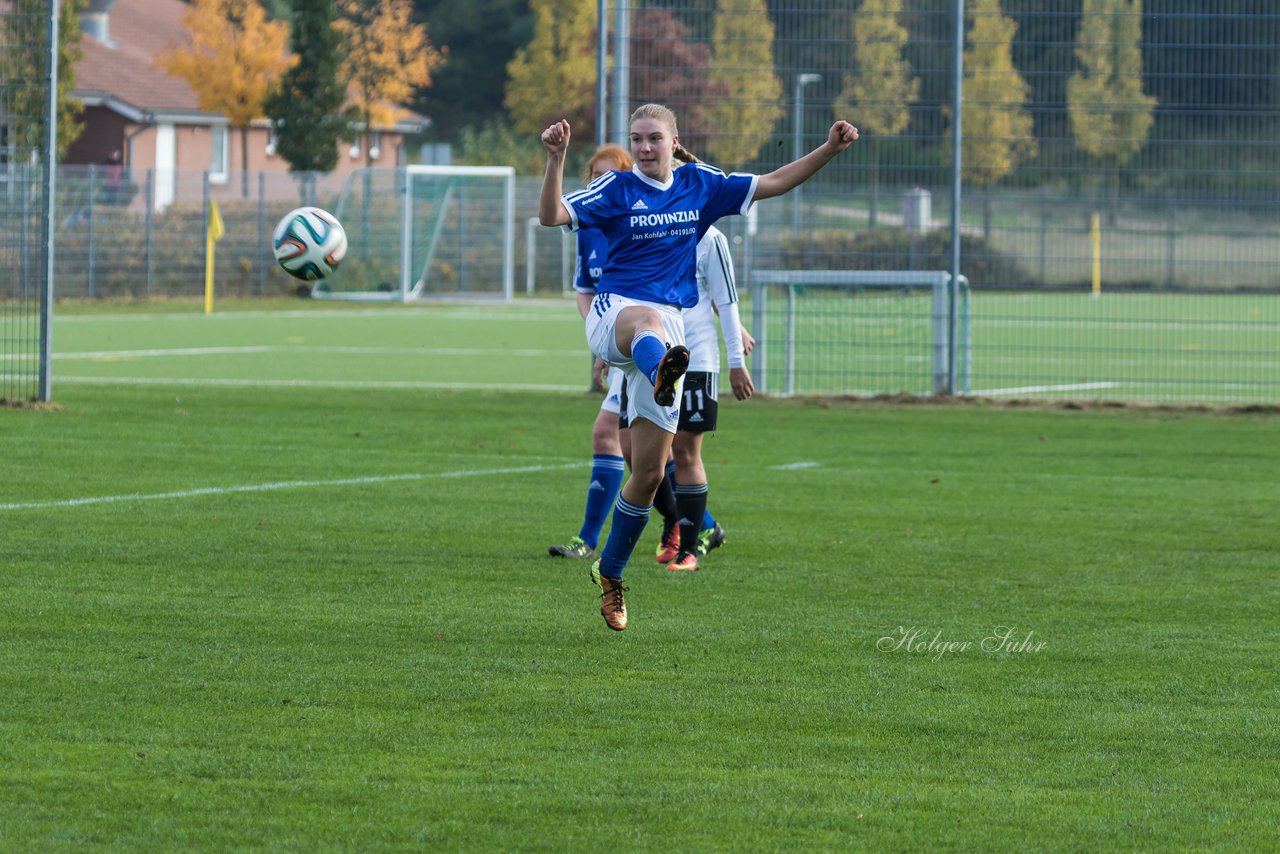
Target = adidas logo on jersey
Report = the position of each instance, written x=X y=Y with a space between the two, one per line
x=639 y=205
x=695 y=418
x=592 y=257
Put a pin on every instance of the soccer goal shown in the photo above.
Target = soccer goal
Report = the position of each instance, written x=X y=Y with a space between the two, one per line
x=860 y=332
x=418 y=232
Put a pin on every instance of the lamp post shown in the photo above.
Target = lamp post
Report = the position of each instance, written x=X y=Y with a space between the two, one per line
x=802 y=80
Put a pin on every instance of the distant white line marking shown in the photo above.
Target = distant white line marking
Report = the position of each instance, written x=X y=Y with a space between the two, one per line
x=344 y=384
x=287 y=484
x=377 y=351
x=795 y=466
x=1040 y=389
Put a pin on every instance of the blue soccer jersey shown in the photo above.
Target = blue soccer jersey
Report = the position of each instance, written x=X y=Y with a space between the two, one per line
x=593 y=248
x=653 y=229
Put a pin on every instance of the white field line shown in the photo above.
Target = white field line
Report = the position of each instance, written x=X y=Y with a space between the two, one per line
x=808 y=464
x=287 y=484
x=341 y=384
x=1042 y=389
x=308 y=349
x=531 y=311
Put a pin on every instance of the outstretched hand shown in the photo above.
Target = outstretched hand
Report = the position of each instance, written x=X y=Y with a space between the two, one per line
x=556 y=138
x=841 y=135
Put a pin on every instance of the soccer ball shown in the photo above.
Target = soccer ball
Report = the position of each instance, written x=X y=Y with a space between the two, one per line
x=309 y=243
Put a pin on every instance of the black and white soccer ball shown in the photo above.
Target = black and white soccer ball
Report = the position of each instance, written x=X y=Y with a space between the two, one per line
x=309 y=243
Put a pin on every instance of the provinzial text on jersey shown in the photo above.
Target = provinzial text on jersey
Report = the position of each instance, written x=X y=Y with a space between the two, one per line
x=670 y=218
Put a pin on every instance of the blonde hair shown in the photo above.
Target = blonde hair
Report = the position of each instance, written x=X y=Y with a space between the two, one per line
x=608 y=151
x=668 y=118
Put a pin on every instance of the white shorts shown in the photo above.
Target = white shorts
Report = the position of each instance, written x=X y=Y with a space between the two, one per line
x=602 y=319
x=613 y=398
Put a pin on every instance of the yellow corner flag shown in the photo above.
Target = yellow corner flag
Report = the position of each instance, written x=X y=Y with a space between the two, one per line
x=216 y=230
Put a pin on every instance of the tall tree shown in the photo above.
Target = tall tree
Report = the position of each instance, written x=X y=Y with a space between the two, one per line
x=880 y=95
x=554 y=75
x=235 y=58
x=22 y=91
x=667 y=68
x=482 y=36
x=742 y=67
x=307 y=108
x=1110 y=114
x=996 y=126
x=388 y=58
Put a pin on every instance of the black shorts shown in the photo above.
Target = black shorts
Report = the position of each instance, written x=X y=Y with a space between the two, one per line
x=698 y=406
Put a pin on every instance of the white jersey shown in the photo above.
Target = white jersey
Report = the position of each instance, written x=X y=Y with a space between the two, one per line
x=715 y=287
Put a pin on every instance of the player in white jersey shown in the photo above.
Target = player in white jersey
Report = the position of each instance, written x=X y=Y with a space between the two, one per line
x=653 y=217
x=699 y=410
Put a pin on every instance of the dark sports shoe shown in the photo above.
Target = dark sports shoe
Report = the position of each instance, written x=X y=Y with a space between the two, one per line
x=670 y=370
x=684 y=562
x=612 y=606
x=709 y=539
x=574 y=548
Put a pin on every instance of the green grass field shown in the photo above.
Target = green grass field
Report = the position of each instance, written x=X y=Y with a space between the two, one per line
x=276 y=579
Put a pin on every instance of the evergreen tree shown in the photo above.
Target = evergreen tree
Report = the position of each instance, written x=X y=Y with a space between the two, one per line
x=742 y=67
x=307 y=108
x=554 y=75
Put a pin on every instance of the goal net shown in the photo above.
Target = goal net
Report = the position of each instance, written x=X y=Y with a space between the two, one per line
x=426 y=231
x=860 y=332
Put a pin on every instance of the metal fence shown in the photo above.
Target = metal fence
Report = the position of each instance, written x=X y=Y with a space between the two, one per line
x=1119 y=220
x=28 y=74
x=1119 y=230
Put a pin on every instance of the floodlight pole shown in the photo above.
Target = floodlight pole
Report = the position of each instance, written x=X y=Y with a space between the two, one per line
x=621 y=75
x=802 y=80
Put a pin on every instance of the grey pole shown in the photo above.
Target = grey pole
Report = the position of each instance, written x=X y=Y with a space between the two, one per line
x=621 y=75
x=797 y=124
x=957 y=105
x=47 y=213
x=602 y=57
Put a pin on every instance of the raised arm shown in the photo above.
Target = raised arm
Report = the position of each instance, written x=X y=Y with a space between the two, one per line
x=795 y=173
x=550 y=210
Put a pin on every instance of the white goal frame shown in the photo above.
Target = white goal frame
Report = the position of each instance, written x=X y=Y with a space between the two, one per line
x=413 y=282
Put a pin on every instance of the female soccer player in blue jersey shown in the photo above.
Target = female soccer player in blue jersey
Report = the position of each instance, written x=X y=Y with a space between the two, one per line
x=653 y=218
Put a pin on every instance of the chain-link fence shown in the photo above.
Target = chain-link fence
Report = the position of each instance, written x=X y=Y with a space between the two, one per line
x=27 y=71
x=1120 y=212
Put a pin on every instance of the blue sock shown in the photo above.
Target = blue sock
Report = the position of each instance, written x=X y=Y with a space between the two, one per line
x=628 y=523
x=647 y=350
x=708 y=521
x=606 y=479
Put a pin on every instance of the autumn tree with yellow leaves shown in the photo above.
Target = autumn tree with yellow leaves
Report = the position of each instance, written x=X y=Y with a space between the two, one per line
x=742 y=70
x=387 y=59
x=235 y=58
x=883 y=90
x=554 y=76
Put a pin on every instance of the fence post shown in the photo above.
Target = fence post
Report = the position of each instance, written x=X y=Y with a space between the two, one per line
x=1171 y=283
x=89 y=235
x=262 y=234
x=204 y=222
x=149 y=221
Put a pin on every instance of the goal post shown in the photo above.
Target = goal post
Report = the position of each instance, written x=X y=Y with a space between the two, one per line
x=418 y=232
x=860 y=332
